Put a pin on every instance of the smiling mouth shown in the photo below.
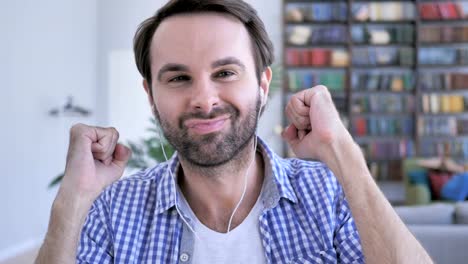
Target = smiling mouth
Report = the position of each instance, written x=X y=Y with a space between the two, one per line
x=206 y=126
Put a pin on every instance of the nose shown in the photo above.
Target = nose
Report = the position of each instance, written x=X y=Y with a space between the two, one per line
x=204 y=97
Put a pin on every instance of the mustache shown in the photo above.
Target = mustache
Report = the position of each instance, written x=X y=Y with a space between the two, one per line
x=228 y=109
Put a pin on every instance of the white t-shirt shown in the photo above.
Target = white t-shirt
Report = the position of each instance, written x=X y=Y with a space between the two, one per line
x=241 y=245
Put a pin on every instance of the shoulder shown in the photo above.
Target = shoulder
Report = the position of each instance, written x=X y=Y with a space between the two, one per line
x=312 y=175
x=142 y=178
x=137 y=186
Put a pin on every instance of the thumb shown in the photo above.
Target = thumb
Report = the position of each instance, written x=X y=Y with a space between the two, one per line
x=290 y=135
x=121 y=155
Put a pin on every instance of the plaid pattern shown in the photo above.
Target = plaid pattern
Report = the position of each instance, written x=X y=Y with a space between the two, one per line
x=306 y=218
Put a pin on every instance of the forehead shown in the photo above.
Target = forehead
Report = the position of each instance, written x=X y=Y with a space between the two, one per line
x=200 y=39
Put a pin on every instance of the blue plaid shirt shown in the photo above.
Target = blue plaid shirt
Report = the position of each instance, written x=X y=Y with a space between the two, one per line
x=306 y=218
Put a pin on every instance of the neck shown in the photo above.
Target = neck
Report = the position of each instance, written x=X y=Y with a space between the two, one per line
x=213 y=192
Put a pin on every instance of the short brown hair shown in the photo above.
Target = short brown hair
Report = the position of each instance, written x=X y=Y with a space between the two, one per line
x=261 y=43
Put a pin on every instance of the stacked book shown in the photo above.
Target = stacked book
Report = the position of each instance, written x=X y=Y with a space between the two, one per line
x=395 y=82
x=443 y=81
x=298 y=80
x=386 y=170
x=317 y=57
x=377 y=103
x=333 y=34
x=388 y=149
x=303 y=35
x=444 y=103
x=383 y=11
x=326 y=12
x=437 y=34
x=385 y=56
x=444 y=56
x=316 y=12
x=383 y=126
x=382 y=34
x=442 y=10
x=458 y=148
x=442 y=126
x=462 y=127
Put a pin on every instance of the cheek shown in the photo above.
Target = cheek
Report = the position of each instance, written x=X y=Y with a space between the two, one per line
x=245 y=98
x=168 y=109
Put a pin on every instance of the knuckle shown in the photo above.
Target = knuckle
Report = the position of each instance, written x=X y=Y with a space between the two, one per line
x=77 y=129
x=112 y=130
x=321 y=87
x=116 y=132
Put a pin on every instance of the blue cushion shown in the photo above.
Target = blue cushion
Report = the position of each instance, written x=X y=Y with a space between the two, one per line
x=456 y=188
x=418 y=177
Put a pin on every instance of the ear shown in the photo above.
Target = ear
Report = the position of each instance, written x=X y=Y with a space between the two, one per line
x=149 y=92
x=265 y=81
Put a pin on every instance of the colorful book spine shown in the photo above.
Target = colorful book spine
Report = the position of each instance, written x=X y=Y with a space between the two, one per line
x=383 y=56
x=383 y=126
x=388 y=149
x=383 y=103
x=333 y=80
x=458 y=148
x=317 y=57
x=441 y=10
x=443 y=81
x=443 y=103
x=444 y=56
x=395 y=82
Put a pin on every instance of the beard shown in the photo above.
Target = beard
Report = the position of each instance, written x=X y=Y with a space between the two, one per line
x=217 y=148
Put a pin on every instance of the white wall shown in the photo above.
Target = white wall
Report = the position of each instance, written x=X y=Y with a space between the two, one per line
x=54 y=48
x=47 y=51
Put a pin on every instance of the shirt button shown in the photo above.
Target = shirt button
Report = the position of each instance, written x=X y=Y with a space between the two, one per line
x=184 y=257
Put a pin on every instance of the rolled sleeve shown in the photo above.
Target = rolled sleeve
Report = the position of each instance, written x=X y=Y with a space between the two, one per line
x=346 y=240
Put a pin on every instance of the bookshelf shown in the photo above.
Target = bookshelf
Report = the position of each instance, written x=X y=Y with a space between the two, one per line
x=397 y=71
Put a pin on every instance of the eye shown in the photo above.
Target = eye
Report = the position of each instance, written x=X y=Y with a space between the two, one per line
x=224 y=74
x=180 y=78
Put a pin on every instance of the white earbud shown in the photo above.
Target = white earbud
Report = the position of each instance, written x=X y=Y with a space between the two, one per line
x=262 y=97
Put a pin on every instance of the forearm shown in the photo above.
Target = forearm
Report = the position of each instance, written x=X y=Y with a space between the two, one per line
x=384 y=237
x=66 y=220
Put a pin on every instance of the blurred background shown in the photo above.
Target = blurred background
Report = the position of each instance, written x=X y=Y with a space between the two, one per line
x=64 y=62
x=397 y=70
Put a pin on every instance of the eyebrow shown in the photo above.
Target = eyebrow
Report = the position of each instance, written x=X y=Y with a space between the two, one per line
x=228 y=61
x=171 y=67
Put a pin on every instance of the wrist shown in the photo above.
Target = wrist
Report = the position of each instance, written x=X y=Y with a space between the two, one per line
x=343 y=156
x=71 y=207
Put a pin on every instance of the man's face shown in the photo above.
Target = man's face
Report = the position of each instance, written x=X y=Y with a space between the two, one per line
x=204 y=85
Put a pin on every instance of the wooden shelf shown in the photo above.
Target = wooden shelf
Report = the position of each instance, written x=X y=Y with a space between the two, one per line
x=441 y=44
x=381 y=138
x=390 y=45
x=464 y=114
x=456 y=91
x=442 y=137
x=325 y=22
x=425 y=22
x=317 y=67
x=430 y=66
x=382 y=114
x=383 y=22
x=359 y=92
x=316 y=1
x=318 y=45
x=383 y=66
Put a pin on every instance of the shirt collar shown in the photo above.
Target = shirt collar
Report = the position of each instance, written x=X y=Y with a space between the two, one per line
x=277 y=184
